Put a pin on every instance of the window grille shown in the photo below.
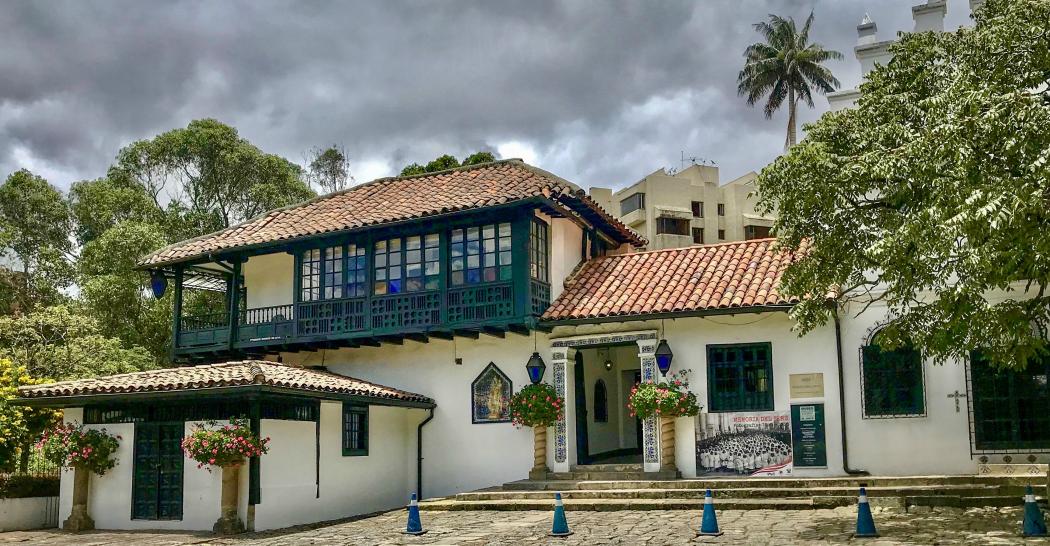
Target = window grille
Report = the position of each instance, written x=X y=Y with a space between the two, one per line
x=893 y=381
x=740 y=377
x=355 y=429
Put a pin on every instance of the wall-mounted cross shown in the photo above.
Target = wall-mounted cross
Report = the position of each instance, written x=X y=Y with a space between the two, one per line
x=957 y=395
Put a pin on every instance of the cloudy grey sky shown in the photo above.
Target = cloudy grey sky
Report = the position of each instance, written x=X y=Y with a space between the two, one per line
x=598 y=92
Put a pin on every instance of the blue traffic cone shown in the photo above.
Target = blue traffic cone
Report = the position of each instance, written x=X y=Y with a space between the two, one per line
x=561 y=527
x=1034 y=524
x=415 y=527
x=865 y=523
x=709 y=525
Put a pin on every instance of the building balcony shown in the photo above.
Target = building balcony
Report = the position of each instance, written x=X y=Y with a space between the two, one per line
x=492 y=308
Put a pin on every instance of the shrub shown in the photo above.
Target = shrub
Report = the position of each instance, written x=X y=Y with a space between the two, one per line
x=670 y=398
x=536 y=406
x=20 y=486
x=73 y=446
x=228 y=445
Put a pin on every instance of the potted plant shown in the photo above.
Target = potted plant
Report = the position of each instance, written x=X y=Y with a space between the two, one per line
x=537 y=406
x=86 y=451
x=226 y=447
x=666 y=401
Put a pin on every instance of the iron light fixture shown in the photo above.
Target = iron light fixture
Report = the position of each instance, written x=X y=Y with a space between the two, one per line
x=158 y=283
x=664 y=356
x=536 y=367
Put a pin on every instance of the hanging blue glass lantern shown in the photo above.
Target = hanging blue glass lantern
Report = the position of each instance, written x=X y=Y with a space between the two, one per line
x=664 y=356
x=159 y=283
x=536 y=367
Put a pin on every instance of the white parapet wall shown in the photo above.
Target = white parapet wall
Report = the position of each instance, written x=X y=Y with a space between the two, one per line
x=28 y=513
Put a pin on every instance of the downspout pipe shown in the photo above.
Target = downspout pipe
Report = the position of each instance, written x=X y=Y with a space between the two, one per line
x=419 y=454
x=842 y=397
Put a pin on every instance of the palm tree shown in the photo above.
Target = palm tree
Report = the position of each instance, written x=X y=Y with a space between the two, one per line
x=787 y=67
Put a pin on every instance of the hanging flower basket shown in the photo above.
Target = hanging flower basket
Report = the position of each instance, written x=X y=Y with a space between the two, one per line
x=670 y=398
x=228 y=445
x=536 y=406
x=73 y=446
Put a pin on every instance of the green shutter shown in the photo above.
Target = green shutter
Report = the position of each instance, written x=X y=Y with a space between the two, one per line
x=740 y=377
x=893 y=383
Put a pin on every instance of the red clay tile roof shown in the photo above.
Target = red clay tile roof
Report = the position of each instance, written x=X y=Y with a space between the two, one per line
x=227 y=374
x=691 y=279
x=395 y=199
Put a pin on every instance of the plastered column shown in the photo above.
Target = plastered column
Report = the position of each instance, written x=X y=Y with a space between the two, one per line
x=565 y=426
x=650 y=426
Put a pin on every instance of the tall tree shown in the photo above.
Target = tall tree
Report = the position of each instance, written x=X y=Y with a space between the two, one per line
x=35 y=225
x=934 y=193
x=329 y=169
x=786 y=67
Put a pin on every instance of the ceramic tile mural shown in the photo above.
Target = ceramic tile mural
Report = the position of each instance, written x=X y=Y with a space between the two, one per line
x=490 y=396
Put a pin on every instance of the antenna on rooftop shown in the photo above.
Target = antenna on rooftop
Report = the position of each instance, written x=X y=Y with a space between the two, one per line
x=692 y=160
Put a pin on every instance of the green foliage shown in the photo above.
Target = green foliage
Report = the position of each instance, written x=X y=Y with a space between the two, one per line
x=58 y=343
x=933 y=192
x=98 y=205
x=786 y=67
x=445 y=162
x=228 y=445
x=34 y=232
x=478 y=158
x=670 y=398
x=20 y=425
x=536 y=406
x=21 y=486
x=74 y=446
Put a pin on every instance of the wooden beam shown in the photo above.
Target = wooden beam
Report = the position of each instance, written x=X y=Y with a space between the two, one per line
x=369 y=342
x=494 y=331
x=441 y=334
x=393 y=340
x=421 y=338
x=518 y=329
x=472 y=334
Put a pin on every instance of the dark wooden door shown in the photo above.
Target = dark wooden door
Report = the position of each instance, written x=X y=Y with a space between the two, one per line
x=582 y=444
x=157 y=482
x=637 y=421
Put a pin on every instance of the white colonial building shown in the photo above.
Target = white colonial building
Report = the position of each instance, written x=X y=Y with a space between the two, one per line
x=335 y=313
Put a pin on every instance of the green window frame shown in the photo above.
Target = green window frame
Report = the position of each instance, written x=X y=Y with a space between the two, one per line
x=332 y=277
x=310 y=275
x=892 y=382
x=480 y=254
x=539 y=247
x=355 y=430
x=740 y=377
x=356 y=271
x=1011 y=408
x=321 y=273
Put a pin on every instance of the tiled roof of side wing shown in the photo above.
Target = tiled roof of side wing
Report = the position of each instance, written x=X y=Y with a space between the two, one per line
x=692 y=279
x=396 y=199
x=227 y=374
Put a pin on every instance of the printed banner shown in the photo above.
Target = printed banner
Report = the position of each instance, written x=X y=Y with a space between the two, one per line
x=744 y=444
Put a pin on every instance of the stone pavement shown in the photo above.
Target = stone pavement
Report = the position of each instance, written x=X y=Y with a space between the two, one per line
x=758 y=527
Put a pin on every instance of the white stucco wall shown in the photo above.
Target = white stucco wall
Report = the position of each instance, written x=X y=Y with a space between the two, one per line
x=26 y=513
x=566 y=247
x=268 y=279
x=382 y=480
x=458 y=455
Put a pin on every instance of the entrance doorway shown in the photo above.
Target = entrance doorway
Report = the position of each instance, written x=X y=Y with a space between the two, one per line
x=156 y=488
x=606 y=433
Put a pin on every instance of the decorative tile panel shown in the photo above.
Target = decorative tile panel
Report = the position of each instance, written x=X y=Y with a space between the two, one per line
x=560 y=440
x=649 y=440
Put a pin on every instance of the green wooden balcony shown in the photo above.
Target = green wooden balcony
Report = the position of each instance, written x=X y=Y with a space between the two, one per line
x=492 y=308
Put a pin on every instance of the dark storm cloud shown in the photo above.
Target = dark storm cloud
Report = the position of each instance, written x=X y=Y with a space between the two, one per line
x=602 y=92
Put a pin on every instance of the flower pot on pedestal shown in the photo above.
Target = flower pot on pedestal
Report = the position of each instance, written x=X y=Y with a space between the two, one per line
x=229 y=523
x=78 y=519
x=539 y=456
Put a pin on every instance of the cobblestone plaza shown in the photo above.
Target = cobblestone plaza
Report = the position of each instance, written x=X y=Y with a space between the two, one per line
x=759 y=527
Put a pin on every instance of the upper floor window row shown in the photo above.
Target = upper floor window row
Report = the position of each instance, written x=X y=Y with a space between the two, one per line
x=632 y=203
x=477 y=254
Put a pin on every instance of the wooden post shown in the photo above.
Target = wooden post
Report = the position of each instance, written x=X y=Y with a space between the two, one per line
x=539 y=455
x=78 y=519
x=229 y=523
x=667 y=462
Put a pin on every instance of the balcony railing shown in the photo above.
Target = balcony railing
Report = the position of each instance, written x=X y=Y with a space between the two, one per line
x=452 y=309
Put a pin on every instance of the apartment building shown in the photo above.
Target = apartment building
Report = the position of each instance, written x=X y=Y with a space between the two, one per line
x=688 y=207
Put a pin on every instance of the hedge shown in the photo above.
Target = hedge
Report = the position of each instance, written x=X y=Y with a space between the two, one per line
x=17 y=486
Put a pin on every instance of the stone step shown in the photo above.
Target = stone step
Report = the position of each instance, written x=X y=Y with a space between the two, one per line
x=599 y=505
x=1014 y=483
x=602 y=505
x=606 y=467
x=739 y=493
x=592 y=475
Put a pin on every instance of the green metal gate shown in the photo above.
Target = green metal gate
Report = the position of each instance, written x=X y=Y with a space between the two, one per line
x=157 y=483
